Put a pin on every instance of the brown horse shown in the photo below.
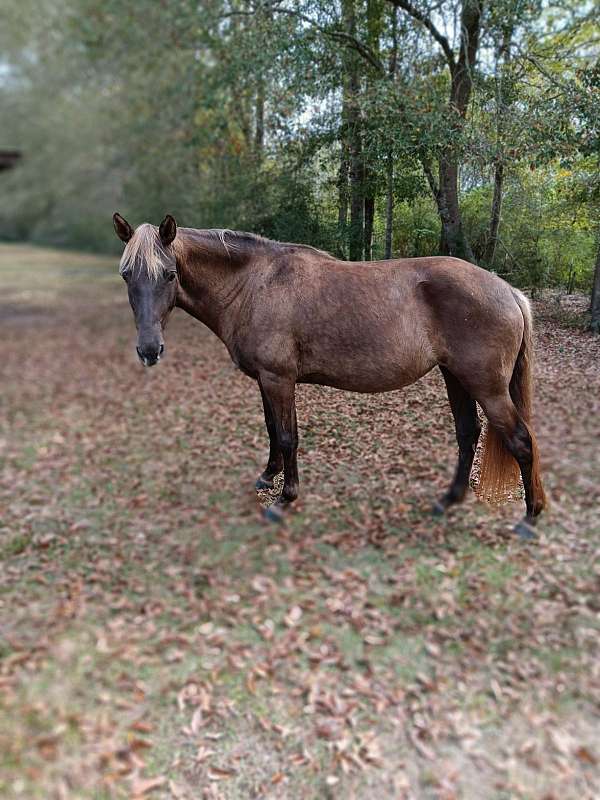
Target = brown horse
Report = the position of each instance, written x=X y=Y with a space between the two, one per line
x=292 y=314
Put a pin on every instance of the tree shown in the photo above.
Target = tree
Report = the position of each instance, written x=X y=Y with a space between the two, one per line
x=374 y=26
x=595 y=303
x=352 y=126
x=461 y=67
x=389 y=167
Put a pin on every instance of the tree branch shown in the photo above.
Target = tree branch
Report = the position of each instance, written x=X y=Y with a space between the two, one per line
x=435 y=190
x=462 y=78
x=341 y=36
x=439 y=37
x=535 y=63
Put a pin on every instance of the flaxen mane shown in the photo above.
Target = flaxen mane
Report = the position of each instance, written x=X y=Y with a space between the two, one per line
x=145 y=250
x=239 y=242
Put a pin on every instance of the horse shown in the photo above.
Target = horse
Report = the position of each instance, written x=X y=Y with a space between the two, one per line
x=290 y=313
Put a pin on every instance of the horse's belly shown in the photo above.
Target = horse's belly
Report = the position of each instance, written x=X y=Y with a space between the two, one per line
x=370 y=373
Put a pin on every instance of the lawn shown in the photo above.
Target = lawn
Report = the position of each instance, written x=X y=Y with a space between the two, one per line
x=158 y=640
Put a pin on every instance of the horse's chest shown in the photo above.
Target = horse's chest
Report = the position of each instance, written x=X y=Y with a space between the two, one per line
x=243 y=360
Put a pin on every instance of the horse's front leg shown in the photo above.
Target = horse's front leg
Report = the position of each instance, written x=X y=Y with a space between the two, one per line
x=275 y=462
x=278 y=396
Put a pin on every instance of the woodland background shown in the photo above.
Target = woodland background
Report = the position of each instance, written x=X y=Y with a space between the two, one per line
x=369 y=128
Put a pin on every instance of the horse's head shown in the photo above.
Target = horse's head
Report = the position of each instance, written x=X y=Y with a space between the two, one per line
x=149 y=268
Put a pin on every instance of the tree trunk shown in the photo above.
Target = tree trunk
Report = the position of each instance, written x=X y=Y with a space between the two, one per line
x=343 y=176
x=242 y=101
x=354 y=133
x=492 y=236
x=259 y=135
x=369 y=217
x=595 y=306
x=374 y=29
x=343 y=194
x=357 y=208
x=461 y=71
x=503 y=60
x=389 y=207
x=389 y=188
x=454 y=242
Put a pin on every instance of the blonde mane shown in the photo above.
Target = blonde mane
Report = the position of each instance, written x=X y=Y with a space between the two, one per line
x=207 y=237
x=237 y=243
x=144 y=251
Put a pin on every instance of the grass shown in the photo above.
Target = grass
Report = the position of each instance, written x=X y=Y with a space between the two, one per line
x=158 y=640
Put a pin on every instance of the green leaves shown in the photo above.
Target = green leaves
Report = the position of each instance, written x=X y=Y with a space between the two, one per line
x=230 y=114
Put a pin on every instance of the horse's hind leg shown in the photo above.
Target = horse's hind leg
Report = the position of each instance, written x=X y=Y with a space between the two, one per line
x=468 y=429
x=275 y=462
x=520 y=445
x=518 y=440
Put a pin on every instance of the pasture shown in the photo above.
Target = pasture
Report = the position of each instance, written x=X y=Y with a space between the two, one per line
x=158 y=640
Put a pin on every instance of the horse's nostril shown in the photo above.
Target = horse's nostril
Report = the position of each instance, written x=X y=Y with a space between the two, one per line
x=161 y=350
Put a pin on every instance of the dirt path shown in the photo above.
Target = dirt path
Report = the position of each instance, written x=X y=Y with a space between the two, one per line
x=156 y=640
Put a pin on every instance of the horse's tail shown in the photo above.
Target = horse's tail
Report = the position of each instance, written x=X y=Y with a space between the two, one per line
x=499 y=477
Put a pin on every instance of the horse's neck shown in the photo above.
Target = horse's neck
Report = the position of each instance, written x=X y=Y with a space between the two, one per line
x=211 y=282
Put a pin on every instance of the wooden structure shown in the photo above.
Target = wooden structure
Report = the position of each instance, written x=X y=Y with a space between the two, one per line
x=8 y=158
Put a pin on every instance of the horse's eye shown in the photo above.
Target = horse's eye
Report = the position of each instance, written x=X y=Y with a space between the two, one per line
x=125 y=276
x=171 y=276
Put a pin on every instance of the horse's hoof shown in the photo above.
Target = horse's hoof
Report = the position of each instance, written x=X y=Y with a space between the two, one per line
x=525 y=531
x=264 y=485
x=273 y=513
x=438 y=508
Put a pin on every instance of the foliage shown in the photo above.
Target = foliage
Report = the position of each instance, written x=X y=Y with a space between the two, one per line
x=229 y=113
x=547 y=235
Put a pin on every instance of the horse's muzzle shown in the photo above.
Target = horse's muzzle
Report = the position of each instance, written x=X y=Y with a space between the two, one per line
x=149 y=356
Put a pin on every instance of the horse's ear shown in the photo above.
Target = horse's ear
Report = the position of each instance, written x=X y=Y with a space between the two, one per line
x=122 y=228
x=167 y=230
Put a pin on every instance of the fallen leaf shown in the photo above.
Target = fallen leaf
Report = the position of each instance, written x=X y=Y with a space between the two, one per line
x=141 y=786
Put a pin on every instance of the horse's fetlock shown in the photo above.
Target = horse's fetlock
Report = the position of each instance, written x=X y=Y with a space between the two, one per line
x=289 y=493
x=272 y=469
x=456 y=493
